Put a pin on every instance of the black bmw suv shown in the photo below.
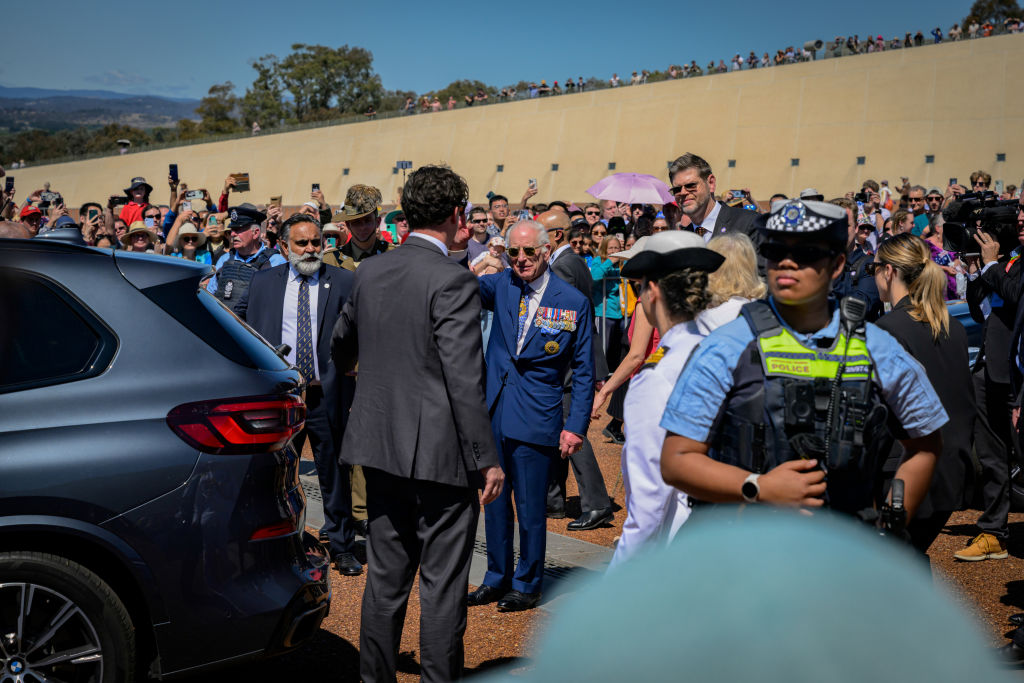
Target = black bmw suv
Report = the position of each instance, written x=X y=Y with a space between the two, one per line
x=151 y=516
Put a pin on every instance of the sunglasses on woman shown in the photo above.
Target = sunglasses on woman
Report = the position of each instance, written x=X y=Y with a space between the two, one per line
x=800 y=253
x=190 y=239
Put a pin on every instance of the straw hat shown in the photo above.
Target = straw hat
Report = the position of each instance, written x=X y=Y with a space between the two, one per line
x=134 y=229
x=189 y=229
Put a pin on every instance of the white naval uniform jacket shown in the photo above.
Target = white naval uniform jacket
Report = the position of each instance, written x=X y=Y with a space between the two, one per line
x=655 y=510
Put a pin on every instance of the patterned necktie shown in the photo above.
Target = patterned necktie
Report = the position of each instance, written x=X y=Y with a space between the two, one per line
x=524 y=311
x=304 y=333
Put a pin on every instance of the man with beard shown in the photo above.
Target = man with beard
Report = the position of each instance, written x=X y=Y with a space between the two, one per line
x=298 y=304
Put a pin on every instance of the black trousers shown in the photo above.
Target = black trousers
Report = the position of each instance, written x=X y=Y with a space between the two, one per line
x=335 y=488
x=993 y=442
x=589 y=480
x=414 y=525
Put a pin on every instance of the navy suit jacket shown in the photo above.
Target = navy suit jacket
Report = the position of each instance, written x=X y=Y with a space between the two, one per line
x=262 y=307
x=530 y=384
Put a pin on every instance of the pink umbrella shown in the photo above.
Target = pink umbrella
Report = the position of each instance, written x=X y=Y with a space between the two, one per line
x=632 y=188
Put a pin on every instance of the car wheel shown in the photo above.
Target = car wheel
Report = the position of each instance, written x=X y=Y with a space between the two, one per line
x=61 y=622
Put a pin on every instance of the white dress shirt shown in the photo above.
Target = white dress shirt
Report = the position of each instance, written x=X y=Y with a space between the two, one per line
x=536 y=292
x=654 y=510
x=433 y=240
x=710 y=222
x=290 y=314
x=558 y=252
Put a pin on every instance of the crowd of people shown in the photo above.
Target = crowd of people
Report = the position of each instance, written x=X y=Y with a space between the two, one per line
x=797 y=352
x=792 y=54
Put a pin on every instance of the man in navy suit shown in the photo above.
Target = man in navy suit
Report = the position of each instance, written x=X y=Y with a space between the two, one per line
x=298 y=304
x=542 y=327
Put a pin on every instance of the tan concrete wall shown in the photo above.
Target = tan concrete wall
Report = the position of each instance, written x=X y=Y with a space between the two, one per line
x=962 y=102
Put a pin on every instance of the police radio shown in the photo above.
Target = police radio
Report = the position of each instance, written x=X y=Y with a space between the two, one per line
x=852 y=312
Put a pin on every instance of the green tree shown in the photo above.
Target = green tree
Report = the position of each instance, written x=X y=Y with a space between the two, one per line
x=264 y=99
x=320 y=79
x=217 y=109
x=393 y=100
x=459 y=90
x=188 y=129
x=105 y=139
x=995 y=11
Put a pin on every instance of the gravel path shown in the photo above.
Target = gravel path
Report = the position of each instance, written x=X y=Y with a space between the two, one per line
x=990 y=590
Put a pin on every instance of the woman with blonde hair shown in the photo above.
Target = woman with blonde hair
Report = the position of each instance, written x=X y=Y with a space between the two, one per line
x=735 y=283
x=915 y=285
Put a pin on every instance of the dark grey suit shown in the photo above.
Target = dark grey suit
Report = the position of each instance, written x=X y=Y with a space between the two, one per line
x=420 y=429
x=731 y=219
x=593 y=492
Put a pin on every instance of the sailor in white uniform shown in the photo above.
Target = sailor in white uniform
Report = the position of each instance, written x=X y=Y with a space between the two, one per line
x=673 y=271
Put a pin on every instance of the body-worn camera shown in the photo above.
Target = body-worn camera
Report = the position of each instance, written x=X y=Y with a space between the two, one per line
x=981 y=211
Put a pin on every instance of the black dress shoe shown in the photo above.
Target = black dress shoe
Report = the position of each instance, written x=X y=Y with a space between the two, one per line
x=553 y=513
x=362 y=527
x=1017 y=619
x=514 y=601
x=322 y=536
x=1011 y=654
x=591 y=520
x=483 y=595
x=615 y=435
x=348 y=565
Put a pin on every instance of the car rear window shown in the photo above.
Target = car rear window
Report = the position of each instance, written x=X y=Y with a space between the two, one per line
x=215 y=324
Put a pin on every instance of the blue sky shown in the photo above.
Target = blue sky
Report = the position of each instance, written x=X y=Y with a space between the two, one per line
x=180 y=48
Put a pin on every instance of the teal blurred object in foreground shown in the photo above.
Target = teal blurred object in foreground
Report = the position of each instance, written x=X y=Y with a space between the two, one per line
x=757 y=594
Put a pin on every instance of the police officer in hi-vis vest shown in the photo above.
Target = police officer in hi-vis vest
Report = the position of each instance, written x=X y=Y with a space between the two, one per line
x=788 y=404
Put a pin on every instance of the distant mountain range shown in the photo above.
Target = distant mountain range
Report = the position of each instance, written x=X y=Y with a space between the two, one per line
x=22 y=108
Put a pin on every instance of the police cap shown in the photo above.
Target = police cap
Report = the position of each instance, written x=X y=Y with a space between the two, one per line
x=244 y=215
x=804 y=218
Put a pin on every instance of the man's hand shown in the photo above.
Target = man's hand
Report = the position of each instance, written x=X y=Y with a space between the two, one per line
x=494 y=479
x=172 y=182
x=530 y=192
x=989 y=247
x=318 y=197
x=34 y=197
x=569 y=443
x=228 y=184
x=274 y=214
x=794 y=483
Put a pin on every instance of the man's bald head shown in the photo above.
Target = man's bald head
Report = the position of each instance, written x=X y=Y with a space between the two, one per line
x=14 y=231
x=556 y=222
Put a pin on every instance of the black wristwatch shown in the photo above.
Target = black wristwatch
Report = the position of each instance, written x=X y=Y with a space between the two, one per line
x=750 y=489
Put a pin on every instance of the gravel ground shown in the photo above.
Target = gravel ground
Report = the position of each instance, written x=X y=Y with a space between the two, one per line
x=991 y=590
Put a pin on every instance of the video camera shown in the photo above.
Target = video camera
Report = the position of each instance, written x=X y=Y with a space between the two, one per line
x=980 y=211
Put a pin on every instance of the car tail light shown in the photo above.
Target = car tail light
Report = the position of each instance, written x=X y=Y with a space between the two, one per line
x=253 y=424
x=275 y=530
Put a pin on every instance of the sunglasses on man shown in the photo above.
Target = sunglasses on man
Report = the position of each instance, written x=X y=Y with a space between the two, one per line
x=531 y=252
x=302 y=244
x=802 y=254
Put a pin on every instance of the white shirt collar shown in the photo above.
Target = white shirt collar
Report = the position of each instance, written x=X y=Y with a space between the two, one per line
x=295 y=275
x=539 y=284
x=675 y=332
x=712 y=218
x=557 y=253
x=433 y=240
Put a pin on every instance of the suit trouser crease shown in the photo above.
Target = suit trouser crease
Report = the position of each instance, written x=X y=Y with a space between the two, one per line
x=589 y=480
x=429 y=526
x=993 y=443
x=333 y=476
